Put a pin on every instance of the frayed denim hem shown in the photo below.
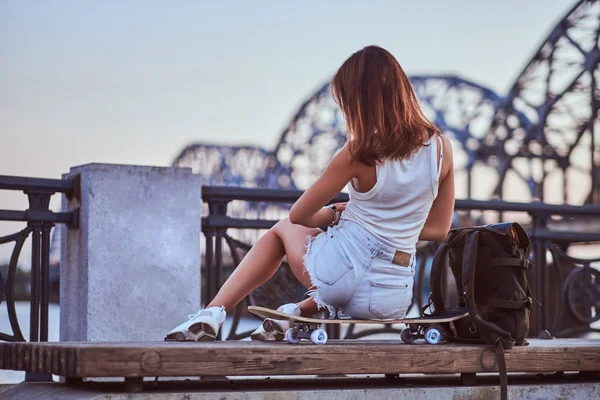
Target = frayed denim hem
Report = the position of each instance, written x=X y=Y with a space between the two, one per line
x=309 y=269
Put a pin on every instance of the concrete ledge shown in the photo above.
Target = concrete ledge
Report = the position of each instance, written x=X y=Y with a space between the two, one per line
x=528 y=387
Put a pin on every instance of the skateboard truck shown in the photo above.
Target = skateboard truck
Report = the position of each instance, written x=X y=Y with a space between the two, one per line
x=299 y=331
x=433 y=334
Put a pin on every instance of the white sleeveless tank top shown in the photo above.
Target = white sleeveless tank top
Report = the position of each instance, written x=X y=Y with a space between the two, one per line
x=396 y=208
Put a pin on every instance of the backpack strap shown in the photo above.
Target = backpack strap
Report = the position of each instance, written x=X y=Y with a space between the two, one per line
x=468 y=282
x=510 y=262
x=437 y=267
x=510 y=304
x=435 y=279
x=502 y=370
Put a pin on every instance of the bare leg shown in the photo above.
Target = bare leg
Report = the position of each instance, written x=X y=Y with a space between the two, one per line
x=263 y=260
x=308 y=307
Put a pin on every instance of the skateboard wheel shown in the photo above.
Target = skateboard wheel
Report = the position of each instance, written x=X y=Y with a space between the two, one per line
x=318 y=336
x=406 y=336
x=293 y=336
x=433 y=336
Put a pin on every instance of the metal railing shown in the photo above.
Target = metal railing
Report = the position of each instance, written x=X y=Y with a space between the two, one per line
x=568 y=288
x=40 y=221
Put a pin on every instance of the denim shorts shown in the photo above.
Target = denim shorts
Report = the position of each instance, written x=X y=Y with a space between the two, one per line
x=353 y=275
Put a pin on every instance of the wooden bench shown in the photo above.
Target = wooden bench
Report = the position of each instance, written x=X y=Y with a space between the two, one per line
x=133 y=361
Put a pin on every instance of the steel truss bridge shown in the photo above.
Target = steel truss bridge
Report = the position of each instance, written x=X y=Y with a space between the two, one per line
x=538 y=142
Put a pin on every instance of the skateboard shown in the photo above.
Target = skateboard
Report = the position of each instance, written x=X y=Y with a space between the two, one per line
x=431 y=328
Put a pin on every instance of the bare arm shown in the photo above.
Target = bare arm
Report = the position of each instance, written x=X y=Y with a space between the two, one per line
x=439 y=219
x=308 y=210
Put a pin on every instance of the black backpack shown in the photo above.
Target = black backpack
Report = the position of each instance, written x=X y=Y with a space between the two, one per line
x=490 y=266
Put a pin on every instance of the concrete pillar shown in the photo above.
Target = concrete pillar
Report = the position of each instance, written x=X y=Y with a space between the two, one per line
x=131 y=272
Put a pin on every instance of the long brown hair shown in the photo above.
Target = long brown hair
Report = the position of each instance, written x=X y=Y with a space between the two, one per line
x=381 y=108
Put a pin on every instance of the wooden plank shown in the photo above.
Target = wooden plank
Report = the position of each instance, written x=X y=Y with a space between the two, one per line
x=40 y=357
x=131 y=359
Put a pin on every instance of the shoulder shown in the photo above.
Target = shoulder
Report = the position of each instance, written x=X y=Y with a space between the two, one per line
x=344 y=159
x=447 y=156
x=447 y=145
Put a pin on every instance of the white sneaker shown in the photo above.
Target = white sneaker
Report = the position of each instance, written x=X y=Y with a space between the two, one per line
x=274 y=329
x=204 y=325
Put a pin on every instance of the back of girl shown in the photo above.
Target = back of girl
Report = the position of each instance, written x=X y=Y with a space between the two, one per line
x=399 y=173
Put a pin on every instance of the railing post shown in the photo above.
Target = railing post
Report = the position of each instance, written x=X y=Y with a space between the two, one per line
x=540 y=318
x=214 y=264
x=45 y=295
x=544 y=283
x=39 y=200
x=207 y=277
x=536 y=278
x=34 y=316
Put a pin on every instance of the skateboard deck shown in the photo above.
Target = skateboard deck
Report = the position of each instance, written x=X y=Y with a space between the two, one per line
x=446 y=316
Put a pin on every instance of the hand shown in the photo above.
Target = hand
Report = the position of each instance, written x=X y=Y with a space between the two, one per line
x=339 y=206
